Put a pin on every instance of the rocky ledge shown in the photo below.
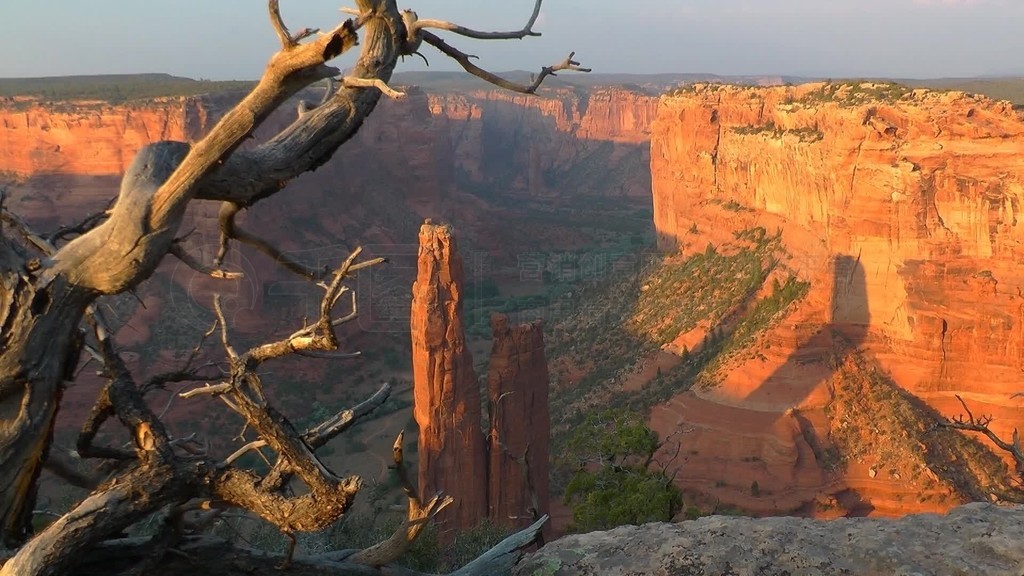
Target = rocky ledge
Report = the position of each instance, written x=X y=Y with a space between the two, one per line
x=972 y=539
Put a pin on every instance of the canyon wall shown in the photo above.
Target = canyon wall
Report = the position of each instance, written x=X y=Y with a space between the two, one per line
x=514 y=173
x=489 y=162
x=901 y=209
x=562 y=145
x=93 y=138
x=430 y=146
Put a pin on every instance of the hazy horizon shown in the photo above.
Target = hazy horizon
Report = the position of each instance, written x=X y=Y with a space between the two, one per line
x=232 y=39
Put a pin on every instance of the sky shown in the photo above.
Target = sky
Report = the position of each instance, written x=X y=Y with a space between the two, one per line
x=232 y=39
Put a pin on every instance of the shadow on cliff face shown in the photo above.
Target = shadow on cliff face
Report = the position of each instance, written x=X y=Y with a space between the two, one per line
x=810 y=365
x=557 y=148
x=871 y=420
x=811 y=369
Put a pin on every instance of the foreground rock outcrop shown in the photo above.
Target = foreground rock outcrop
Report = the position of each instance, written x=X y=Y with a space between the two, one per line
x=446 y=401
x=902 y=210
x=971 y=539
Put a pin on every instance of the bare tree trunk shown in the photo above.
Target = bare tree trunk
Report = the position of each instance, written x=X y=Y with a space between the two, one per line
x=39 y=328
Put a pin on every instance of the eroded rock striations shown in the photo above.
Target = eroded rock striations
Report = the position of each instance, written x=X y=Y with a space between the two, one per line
x=902 y=209
x=520 y=425
x=971 y=539
x=446 y=393
x=505 y=477
x=93 y=138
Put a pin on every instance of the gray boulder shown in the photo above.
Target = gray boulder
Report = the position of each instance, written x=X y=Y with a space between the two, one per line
x=975 y=539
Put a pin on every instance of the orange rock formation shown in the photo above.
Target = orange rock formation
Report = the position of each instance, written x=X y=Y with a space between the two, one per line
x=446 y=393
x=92 y=139
x=901 y=208
x=520 y=425
x=506 y=479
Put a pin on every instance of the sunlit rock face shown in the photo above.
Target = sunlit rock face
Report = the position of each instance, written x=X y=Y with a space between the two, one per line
x=446 y=393
x=902 y=210
x=92 y=139
x=520 y=423
x=505 y=476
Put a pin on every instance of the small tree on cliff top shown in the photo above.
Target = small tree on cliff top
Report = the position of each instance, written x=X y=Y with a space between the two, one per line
x=49 y=287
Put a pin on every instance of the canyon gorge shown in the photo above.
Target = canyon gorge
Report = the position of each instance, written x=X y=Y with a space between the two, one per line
x=897 y=210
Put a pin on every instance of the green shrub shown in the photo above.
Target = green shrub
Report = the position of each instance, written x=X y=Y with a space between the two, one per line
x=612 y=485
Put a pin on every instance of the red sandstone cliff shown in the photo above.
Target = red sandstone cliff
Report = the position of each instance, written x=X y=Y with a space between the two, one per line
x=93 y=139
x=471 y=158
x=901 y=209
x=520 y=425
x=446 y=393
x=477 y=159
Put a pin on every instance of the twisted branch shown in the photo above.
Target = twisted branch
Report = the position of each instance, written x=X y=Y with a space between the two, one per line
x=286 y=38
x=464 y=60
x=981 y=424
x=418 y=25
x=416 y=520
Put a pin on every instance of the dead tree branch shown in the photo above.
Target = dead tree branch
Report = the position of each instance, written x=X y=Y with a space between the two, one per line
x=230 y=231
x=419 y=514
x=418 y=33
x=286 y=38
x=465 y=60
x=88 y=223
x=981 y=424
x=192 y=262
x=373 y=83
x=416 y=25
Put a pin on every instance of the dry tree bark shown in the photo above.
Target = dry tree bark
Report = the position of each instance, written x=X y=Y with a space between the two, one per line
x=48 y=288
x=980 y=424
